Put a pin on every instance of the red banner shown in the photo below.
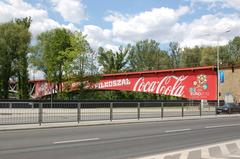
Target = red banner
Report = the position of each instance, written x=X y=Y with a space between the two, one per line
x=191 y=83
x=43 y=88
x=197 y=84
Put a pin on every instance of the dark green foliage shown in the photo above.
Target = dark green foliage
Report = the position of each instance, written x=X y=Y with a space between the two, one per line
x=147 y=55
x=14 y=43
x=175 y=54
x=113 y=62
x=22 y=59
x=190 y=57
x=208 y=56
x=234 y=50
x=63 y=57
x=51 y=53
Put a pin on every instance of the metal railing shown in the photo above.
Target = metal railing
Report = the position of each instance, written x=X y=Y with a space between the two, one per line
x=46 y=112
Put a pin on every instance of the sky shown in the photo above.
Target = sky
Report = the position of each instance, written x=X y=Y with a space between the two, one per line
x=112 y=23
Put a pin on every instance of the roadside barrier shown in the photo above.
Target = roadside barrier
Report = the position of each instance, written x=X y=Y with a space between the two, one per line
x=50 y=112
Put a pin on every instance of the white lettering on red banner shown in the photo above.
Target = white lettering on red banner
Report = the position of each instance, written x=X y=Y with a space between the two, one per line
x=197 y=85
x=113 y=83
x=163 y=86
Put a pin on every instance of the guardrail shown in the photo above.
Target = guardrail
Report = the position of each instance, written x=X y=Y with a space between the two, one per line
x=47 y=112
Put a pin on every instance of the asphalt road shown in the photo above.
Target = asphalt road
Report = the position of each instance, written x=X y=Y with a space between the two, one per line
x=116 y=141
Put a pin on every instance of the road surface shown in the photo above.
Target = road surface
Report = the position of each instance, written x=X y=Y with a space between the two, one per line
x=116 y=141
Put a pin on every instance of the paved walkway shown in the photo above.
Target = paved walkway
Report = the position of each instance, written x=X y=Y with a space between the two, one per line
x=225 y=150
x=107 y=122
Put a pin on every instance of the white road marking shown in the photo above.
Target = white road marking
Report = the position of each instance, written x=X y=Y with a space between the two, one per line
x=73 y=141
x=184 y=155
x=204 y=151
x=238 y=144
x=219 y=126
x=224 y=149
x=178 y=130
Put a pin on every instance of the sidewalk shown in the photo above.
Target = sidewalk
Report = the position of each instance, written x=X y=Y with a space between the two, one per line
x=106 y=122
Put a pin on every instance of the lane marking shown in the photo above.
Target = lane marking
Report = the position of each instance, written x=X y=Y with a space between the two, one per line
x=178 y=130
x=73 y=141
x=219 y=126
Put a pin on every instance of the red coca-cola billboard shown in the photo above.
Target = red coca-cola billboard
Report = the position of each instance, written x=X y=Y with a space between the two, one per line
x=192 y=83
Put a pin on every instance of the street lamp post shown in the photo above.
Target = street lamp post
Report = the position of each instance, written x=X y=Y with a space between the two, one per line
x=218 y=62
x=218 y=102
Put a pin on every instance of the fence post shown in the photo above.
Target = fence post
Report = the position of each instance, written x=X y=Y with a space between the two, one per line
x=200 y=110
x=138 y=110
x=216 y=109
x=161 y=109
x=79 y=113
x=111 y=111
x=40 y=114
x=182 y=110
x=10 y=105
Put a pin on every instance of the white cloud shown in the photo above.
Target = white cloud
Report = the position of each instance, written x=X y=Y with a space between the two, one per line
x=161 y=24
x=157 y=24
x=43 y=24
x=11 y=9
x=70 y=26
x=164 y=25
x=233 y=4
x=211 y=29
x=218 y=3
x=114 y=16
x=182 y=10
x=149 y=24
x=17 y=8
x=97 y=37
x=71 y=10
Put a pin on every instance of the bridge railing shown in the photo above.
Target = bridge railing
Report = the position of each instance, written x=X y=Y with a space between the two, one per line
x=48 y=112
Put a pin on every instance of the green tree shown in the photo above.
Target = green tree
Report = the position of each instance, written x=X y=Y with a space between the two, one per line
x=51 y=53
x=77 y=56
x=14 y=42
x=106 y=60
x=7 y=31
x=190 y=57
x=208 y=56
x=79 y=65
x=63 y=57
x=175 y=54
x=22 y=59
x=147 y=55
x=234 y=50
x=113 y=62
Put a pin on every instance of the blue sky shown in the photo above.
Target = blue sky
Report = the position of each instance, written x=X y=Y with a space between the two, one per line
x=111 y=23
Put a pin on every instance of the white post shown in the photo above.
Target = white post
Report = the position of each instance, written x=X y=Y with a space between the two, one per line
x=218 y=72
x=218 y=62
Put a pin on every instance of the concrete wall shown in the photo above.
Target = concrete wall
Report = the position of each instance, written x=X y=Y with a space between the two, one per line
x=231 y=83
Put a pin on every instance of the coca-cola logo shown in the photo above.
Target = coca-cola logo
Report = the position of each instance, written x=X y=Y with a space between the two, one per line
x=169 y=85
